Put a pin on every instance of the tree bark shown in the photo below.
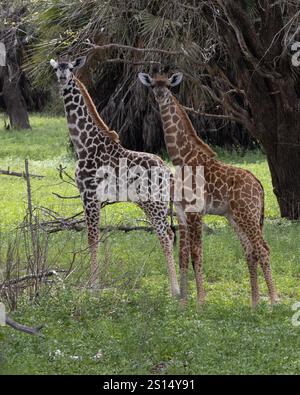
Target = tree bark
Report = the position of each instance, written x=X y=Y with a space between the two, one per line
x=14 y=101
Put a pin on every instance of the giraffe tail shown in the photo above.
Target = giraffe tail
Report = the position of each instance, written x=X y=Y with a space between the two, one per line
x=262 y=214
x=262 y=217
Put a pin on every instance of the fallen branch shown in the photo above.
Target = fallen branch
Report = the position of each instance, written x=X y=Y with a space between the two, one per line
x=19 y=174
x=59 y=224
x=79 y=228
x=40 y=276
x=23 y=328
x=79 y=225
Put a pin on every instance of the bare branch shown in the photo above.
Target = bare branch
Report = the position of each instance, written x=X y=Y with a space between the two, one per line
x=18 y=174
x=28 y=277
x=135 y=49
x=65 y=197
x=62 y=172
x=133 y=63
x=217 y=116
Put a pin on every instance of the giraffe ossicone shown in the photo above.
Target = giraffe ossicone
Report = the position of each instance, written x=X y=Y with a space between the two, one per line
x=97 y=147
x=228 y=191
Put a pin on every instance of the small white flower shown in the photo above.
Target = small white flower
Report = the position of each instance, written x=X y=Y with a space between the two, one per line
x=58 y=353
x=97 y=356
x=75 y=357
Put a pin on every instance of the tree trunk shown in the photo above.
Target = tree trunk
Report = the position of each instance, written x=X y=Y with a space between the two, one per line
x=276 y=120
x=285 y=182
x=272 y=96
x=14 y=102
x=277 y=127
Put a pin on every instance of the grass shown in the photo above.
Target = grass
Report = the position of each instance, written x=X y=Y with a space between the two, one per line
x=133 y=326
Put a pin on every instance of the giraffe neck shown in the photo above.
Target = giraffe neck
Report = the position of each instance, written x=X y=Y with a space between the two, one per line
x=82 y=127
x=182 y=142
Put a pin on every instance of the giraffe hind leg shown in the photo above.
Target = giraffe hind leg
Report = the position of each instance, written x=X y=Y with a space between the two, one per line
x=157 y=213
x=262 y=255
x=251 y=258
x=184 y=252
x=261 y=252
x=158 y=216
x=264 y=260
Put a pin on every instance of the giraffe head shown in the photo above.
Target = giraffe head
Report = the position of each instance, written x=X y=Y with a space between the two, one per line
x=64 y=70
x=161 y=84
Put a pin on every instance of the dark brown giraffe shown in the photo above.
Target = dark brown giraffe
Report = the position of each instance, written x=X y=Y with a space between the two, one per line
x=229 y=191
x=99 y=157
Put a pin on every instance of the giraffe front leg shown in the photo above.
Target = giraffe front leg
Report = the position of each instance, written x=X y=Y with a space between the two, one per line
x=184 y=251
x=195 y=233
x=184 y=257
x=92 y=217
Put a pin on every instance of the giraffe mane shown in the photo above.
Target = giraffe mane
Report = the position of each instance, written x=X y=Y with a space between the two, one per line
x=204 y=147
x=94 y=113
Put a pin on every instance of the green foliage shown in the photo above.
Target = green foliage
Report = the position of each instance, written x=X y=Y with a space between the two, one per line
x=132 y=326
x=64 y=28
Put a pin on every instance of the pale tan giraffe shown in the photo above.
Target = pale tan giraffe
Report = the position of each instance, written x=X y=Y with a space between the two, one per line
x=98 y=148
x=228 y=191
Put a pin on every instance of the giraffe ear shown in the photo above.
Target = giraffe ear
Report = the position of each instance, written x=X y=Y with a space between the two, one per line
x=175 y=79
x=145 y=79
x=53 y=63
x=79 y=62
